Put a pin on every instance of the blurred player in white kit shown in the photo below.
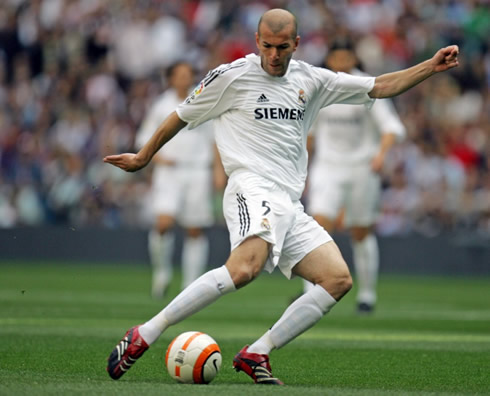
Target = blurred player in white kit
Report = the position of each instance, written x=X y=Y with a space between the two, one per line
x=181 y=186
x=349 y=144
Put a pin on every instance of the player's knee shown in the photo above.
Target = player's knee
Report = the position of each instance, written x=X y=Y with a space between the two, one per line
x=247 y=261
x=359 y=233
x=163 y=224
x=194 y=232
x=243 y=275
x=325 y=222
x=244 y=270
x=344 y=283
x=337 y=285
x=162 y=229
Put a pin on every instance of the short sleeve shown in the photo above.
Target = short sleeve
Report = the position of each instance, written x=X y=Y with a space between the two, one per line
x=213 y=96
x=344 y=88
x=386 y=118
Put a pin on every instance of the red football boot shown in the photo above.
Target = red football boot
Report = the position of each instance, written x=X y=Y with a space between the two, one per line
x=129 y=349
x=256 y=366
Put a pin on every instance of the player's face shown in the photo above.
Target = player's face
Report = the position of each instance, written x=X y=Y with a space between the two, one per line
x=341 y=60
x=182 y=78
x=276 y=49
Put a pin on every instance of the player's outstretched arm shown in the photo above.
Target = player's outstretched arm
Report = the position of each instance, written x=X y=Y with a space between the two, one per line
x=392 y=84
x=387 y=142
x=131 y=162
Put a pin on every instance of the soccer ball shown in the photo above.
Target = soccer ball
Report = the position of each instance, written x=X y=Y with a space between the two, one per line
x=193 y=358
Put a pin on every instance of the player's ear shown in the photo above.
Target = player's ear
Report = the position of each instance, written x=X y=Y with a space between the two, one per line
x=257 y=40
x=296 y=42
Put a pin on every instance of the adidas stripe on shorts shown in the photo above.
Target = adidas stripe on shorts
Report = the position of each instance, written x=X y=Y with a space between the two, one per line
x=254 y=205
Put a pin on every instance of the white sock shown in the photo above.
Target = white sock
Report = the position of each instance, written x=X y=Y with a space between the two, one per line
x=307 y=286
x=298 y=317
x=198 y=295
x=194 y=258
x=160 y=248
x=366 y=262
x=263 y=345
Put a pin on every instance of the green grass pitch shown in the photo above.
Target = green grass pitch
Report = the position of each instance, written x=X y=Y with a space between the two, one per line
x=58 y=324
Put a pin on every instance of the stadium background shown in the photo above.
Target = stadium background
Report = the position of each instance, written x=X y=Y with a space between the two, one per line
x=75 y=79
x=77 y=76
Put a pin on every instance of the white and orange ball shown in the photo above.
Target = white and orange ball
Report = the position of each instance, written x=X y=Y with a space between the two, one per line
x=193 y=358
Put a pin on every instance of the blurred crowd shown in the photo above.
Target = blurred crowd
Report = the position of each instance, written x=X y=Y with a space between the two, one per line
x=77 y=76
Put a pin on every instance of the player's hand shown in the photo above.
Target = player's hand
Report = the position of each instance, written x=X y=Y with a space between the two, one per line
x=127 y=161
x=446 y=58
x=377 y=163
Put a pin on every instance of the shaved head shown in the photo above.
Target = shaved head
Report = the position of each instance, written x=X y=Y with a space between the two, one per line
x=277 y=20
x=276 y=38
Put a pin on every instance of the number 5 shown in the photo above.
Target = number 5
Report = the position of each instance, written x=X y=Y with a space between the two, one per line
x=265 y=204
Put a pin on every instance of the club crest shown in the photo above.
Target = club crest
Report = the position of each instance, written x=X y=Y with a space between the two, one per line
x=302 y=97
x=265 y=224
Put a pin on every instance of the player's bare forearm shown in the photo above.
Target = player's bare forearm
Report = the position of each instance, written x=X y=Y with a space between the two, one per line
x=166 y=131
x=219 y=175
x=131 y=162
x=392 y=84
x=387 y=141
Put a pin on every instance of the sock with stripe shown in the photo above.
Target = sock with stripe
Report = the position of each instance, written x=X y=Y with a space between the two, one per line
x=199 y=294
x=298 y=317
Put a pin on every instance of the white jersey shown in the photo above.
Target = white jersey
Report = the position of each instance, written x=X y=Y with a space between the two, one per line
x=261 y=121
x=188 y=148
x=348 y=135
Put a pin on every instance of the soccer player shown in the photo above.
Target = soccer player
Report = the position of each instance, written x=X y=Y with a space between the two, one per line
x=349 y=144
x=263 y=107
x=181 y=186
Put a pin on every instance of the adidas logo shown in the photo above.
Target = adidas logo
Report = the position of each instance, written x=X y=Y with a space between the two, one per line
x=262 y=99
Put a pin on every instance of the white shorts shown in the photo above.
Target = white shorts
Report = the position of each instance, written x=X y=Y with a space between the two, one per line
x=184 y=193
x=253 y=205
x=355 y=188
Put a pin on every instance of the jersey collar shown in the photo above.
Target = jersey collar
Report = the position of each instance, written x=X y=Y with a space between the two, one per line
x=255 y=59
